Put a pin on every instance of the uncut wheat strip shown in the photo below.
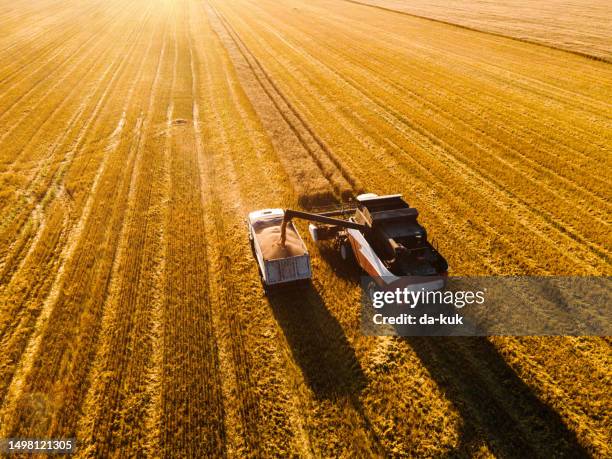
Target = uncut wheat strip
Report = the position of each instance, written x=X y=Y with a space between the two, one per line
x=174 y=255
x=55 y=291
x=242 y=404
x=230 y=297
x=246 y=194
x=345 y=173
x=250 y=131
x=246 y=160
x=192 y=404
x=45 y=178
x=94 y=426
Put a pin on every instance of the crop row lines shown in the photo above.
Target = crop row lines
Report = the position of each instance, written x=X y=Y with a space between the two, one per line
x=74 y=296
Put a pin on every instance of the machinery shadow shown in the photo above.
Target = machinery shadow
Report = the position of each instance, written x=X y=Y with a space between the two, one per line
x=345 y=269
x=485 y=394
x=318 y=343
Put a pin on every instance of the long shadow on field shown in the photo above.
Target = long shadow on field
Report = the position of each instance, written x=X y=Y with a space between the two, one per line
x=497 y=407
x=318 y=343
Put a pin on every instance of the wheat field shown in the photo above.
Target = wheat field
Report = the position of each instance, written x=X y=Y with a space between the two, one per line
x=135 y=137
x=584 y=28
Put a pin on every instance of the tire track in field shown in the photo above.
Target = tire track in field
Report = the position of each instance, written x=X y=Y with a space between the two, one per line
x=347 y=176
x=528 y=449
x=277 y=106
x=396 y=163
x=501 y=271
x=227 y=116
x=241 y=402
x=511 y=421
x=58 y=292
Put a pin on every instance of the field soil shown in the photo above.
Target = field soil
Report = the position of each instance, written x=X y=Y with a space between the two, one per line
x=136 y=136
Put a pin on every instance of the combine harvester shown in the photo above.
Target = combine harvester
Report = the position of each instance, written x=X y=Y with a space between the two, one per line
x=381 y=232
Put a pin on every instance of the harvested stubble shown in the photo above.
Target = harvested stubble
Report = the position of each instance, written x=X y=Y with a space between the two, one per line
x=162 y=343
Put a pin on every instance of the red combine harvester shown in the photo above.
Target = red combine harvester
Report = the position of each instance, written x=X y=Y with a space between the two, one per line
x=382 y=232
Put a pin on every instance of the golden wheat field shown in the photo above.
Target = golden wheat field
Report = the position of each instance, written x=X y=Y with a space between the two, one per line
x=135 y=137
x=582 y=27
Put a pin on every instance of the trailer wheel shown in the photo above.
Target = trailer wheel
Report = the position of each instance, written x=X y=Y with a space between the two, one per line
x=346 y=251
